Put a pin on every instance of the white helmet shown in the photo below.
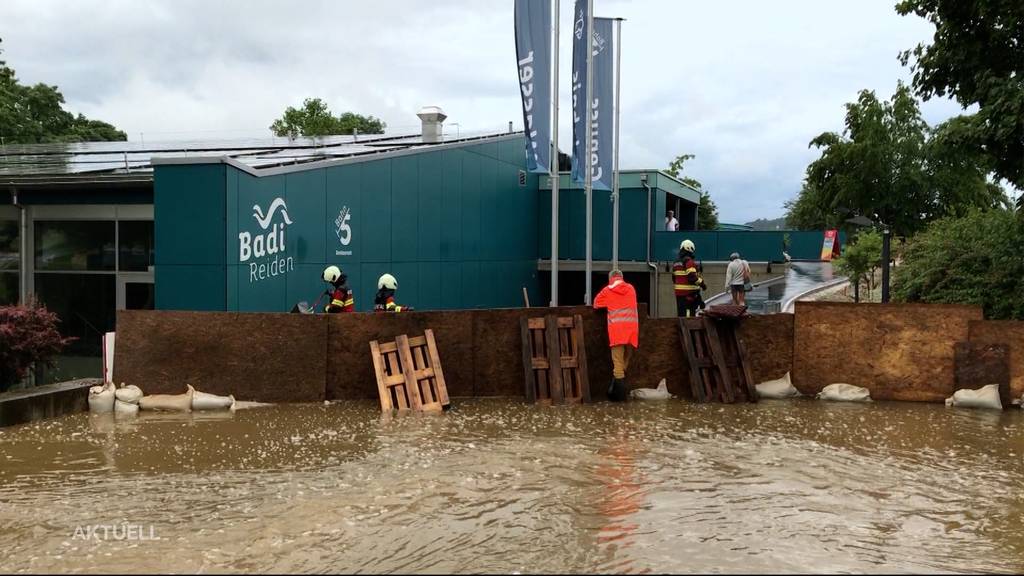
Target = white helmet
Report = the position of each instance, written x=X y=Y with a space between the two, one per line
x=331 y=274
x=688 y=246
x=387 y=281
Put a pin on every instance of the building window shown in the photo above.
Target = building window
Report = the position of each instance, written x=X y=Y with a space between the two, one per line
x=10 y=262
x=75 y=245
x=84 y=271
x=135 y=246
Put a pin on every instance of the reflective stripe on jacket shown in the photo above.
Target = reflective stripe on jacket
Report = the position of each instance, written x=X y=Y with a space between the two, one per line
x=685 y=279
x=619 y=298
x=342 y=300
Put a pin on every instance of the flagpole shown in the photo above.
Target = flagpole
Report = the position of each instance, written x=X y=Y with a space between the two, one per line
x=589 y=119
x=615 y=168
x=554 y=166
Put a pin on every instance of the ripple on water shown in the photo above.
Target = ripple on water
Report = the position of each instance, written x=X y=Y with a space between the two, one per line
x=500 y=486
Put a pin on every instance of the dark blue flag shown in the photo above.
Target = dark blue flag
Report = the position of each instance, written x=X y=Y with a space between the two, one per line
x=603 y=94
x=533 y=52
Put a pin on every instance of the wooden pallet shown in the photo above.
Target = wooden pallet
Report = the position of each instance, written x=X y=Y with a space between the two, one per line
x=719 y=369
x=555 y=360
x=409 y=375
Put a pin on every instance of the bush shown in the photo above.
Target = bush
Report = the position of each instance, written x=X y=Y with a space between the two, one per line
x=28 y=336
x=861 y=259
x=977 y=259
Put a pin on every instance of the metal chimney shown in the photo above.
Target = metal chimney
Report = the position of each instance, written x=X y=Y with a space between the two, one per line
x=432 y=117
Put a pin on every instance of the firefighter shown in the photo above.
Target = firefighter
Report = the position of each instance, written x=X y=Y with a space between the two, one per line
x=342 y=299
x=687 y=281
x=619 y=297
x=385 y=300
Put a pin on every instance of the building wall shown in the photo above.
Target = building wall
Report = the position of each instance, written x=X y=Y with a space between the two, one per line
x=454 y=225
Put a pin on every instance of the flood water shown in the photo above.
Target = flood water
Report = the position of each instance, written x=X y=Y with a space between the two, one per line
x=501 y=486
x=798 y=278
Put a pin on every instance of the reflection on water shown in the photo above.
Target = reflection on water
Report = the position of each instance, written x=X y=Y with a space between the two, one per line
x=500 y=486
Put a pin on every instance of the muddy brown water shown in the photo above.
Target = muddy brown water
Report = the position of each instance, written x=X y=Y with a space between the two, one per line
x=500 y=486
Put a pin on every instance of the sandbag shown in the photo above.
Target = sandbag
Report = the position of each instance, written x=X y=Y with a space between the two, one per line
x=129 y=394
x=125 y=408
x=101 y=398
x=659 y=393
x=204 y=401
x=778 y=388
x=844 y=393
x=984 y=397
x=171 y=402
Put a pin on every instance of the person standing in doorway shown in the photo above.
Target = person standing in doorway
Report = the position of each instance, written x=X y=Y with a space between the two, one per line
x=687 y=281
x=619 y=298
x=671 y=224
x=736 y=276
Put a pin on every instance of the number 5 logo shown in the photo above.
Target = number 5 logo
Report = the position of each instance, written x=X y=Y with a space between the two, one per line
x=344 y=231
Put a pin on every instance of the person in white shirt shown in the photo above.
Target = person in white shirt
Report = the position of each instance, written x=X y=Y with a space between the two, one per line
x=737 y=274
x=671 y=224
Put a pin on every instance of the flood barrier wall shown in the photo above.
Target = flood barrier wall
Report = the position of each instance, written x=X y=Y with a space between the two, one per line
x=898 y=351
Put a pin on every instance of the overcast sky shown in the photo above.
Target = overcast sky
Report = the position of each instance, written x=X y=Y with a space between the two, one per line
x=743 y=85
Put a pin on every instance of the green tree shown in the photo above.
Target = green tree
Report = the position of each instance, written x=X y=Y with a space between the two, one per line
x=861 y=259
x=976 y=56
x=707 y=212
x=890 y=166
x=316 y=119
x=974 y=259
x=35 y=114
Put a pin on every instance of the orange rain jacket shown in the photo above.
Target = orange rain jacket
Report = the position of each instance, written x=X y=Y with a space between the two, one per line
x=619 y=298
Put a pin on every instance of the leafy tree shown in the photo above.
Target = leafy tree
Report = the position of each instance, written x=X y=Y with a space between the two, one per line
x=768 y=224
x=35 y=114
x=975 y=259
x=861 y=259
x=315 y=119
x=707 y=212
x=977 y=56
x=28 y=337
x=890 y=166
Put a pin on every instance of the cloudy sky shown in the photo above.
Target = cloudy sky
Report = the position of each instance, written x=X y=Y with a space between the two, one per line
x=744 y=85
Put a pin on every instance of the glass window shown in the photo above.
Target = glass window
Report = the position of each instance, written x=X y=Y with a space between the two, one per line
x=135 y=248
x=138 y=296
x=9 y=242
x=74 y=245
x=85 y=305
x=8 y=288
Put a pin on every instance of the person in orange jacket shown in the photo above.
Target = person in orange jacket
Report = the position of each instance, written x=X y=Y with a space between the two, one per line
x=619 y=298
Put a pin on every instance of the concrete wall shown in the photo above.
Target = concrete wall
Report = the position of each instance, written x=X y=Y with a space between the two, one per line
x=41 y=402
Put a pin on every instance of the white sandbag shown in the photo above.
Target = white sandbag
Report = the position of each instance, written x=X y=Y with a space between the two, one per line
x=129 y=394
x=101 y=398
x=659 y=393
x=845 y=393
x=171 y=402
x=246 y=404
x=125 y=408
x=984 y=397
x=778 y=388
x=204 y=401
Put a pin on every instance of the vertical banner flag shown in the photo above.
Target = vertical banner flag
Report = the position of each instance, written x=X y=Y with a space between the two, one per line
x=603 y=99
x=830 y=247
x=533 y=50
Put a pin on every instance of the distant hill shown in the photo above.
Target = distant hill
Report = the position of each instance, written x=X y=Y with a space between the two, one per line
x=765 y=224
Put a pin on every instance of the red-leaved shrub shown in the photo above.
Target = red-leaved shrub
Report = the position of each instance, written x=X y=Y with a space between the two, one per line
x=28 y=336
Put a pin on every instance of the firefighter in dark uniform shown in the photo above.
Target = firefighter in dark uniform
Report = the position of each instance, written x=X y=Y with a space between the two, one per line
x=342 y=299
x=687 y=281
x=385 y=300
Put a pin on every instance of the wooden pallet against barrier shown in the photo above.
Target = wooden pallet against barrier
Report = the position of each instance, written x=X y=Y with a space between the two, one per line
x=719 y=369
x=409 y=375
x=555 y=360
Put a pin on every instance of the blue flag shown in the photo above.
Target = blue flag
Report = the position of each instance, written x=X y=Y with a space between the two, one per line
x=533 y=52
x=603 y=94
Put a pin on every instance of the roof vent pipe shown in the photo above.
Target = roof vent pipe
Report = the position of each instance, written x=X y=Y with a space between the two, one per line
x=432 y=118
x=509 y=126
